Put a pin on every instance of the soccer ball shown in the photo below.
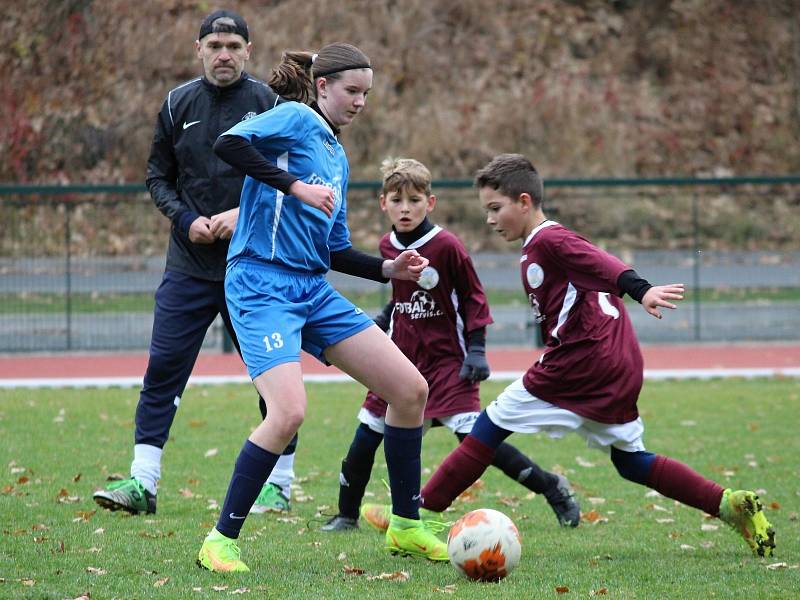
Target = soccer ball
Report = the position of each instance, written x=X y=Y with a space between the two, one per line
x=484 y=545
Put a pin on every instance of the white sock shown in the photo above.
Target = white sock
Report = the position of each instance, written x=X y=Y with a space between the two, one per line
x=283 y=474
x=146 y=465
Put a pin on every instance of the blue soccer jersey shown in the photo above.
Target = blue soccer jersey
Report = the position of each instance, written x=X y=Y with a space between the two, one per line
x=278 y=228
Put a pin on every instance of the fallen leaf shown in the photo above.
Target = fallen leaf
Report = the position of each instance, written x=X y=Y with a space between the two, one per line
x=211 y=452
x=341 y=556
x=39 y=527
x=583 y=462
x=774 y=505
x=161 y=582
x=663 y=521
x=353 y=570
x=76 y=478
x=708 y=527
x=562 y=589
x=29 y=582
x=23 y=480
x=96 y=570
x=83 y=596
x=595 y=500
x=776 y=566
x=240 y=591
x=186 y=493
x=600 y=592
x=687 y=547
x=448 y=589
x=396 y=576
x=219 y=588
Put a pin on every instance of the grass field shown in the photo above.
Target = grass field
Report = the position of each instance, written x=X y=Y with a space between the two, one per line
x=58 y=446
x=35 y=303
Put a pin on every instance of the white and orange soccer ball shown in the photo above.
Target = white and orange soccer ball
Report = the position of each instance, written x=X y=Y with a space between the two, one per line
x=484 y=544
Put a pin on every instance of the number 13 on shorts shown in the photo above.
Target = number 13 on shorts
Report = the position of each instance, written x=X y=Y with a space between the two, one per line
x=273 y=341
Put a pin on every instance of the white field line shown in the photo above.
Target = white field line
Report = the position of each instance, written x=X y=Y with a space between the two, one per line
x=651 y=374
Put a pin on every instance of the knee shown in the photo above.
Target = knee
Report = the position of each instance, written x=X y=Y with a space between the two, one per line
x=288 y=422
x=418 y=393
x=633 y=466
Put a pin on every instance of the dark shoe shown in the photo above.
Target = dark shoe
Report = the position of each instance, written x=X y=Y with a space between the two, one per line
x=340 y=523
x=562 y=500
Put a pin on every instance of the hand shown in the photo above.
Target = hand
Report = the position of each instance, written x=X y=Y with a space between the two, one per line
x=660 y=296
x=200 y=231
x=475 y=367
x=224 y=224
x=318 y=196
x=408 y=266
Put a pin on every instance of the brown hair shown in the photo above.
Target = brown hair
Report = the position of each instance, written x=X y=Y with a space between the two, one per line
x=512 y=175
x=294 y=77
x=403 y=173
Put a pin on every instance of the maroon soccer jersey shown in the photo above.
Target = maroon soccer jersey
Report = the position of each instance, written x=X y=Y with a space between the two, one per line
x=592 y=364
x=431 y=318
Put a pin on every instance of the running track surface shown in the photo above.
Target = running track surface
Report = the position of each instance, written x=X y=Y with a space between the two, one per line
x=661 y=362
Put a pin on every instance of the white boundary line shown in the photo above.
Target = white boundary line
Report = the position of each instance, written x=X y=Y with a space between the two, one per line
x=651 y=374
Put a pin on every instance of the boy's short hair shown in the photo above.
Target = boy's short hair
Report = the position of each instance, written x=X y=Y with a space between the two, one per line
x=401 y=173
x=512 y=175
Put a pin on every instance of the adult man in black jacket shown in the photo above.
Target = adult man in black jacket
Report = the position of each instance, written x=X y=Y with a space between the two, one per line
x=199 y=194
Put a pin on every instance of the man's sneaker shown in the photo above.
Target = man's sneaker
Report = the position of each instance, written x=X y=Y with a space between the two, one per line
x=128 y=495
x=271 y=499
x=340 y=523
x=410 y=537
x=743 y=511
x=221 y=554
x=562 y=500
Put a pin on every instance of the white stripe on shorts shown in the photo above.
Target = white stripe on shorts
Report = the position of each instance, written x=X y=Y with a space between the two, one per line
x=515 y=409
x=460 y=423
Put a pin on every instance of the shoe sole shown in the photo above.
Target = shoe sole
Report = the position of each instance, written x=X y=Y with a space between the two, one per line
x=114 y=506
x=395 y=551
x=260 y=510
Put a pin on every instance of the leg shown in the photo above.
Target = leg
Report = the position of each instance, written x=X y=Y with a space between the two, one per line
x=354 y=477
x=387 y=372
x=555 y=488
x=464 y=465
x=275 y=494
x=742 y=509
x=184 y=309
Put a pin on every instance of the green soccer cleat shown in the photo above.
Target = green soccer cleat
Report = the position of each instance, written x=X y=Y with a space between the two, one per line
x=128 y=495
x=412 y=537
x=271 y=499
x=220 y=554
x=379 y=515
x=743 y=511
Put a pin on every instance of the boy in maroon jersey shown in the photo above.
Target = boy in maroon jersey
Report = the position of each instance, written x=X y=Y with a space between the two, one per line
x=588 y=379
x=440 y=323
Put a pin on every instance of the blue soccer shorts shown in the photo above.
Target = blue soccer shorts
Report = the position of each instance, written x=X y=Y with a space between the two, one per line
x=276 y=312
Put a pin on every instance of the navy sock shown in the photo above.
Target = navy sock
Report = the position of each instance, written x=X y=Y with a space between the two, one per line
x=356 y=470
x=402 y=447
x=486 y=432
x=253 y=466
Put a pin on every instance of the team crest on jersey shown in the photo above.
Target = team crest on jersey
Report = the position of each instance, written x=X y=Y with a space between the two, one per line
x=429 y=278
x=420 y=306
x=534 y=275
x=249 y=115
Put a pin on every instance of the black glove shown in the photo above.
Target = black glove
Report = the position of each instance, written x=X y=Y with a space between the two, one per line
x=475 y=367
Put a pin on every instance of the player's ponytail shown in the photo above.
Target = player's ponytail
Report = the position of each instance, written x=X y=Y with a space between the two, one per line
x=293 y=78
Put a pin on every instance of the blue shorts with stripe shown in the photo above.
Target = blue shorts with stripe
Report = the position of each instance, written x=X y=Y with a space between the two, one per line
x=276 y=311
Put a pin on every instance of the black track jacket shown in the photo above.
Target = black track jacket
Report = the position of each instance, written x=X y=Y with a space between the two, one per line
x=184 y=176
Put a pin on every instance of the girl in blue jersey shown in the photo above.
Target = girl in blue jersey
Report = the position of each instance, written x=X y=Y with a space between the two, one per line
x=292 y=229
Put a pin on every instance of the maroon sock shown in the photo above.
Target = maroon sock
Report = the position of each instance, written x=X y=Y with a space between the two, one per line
x=462 y=467
x=679 y=482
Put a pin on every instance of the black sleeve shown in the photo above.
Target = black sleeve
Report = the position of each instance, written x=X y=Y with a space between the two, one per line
x=384 y=318
x=630 y=283
x=162 y=171
x=241 y=154
x=357 y=263
x=476 y=338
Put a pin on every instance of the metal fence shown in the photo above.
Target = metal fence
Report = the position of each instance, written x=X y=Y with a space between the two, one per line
x=79 y=264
